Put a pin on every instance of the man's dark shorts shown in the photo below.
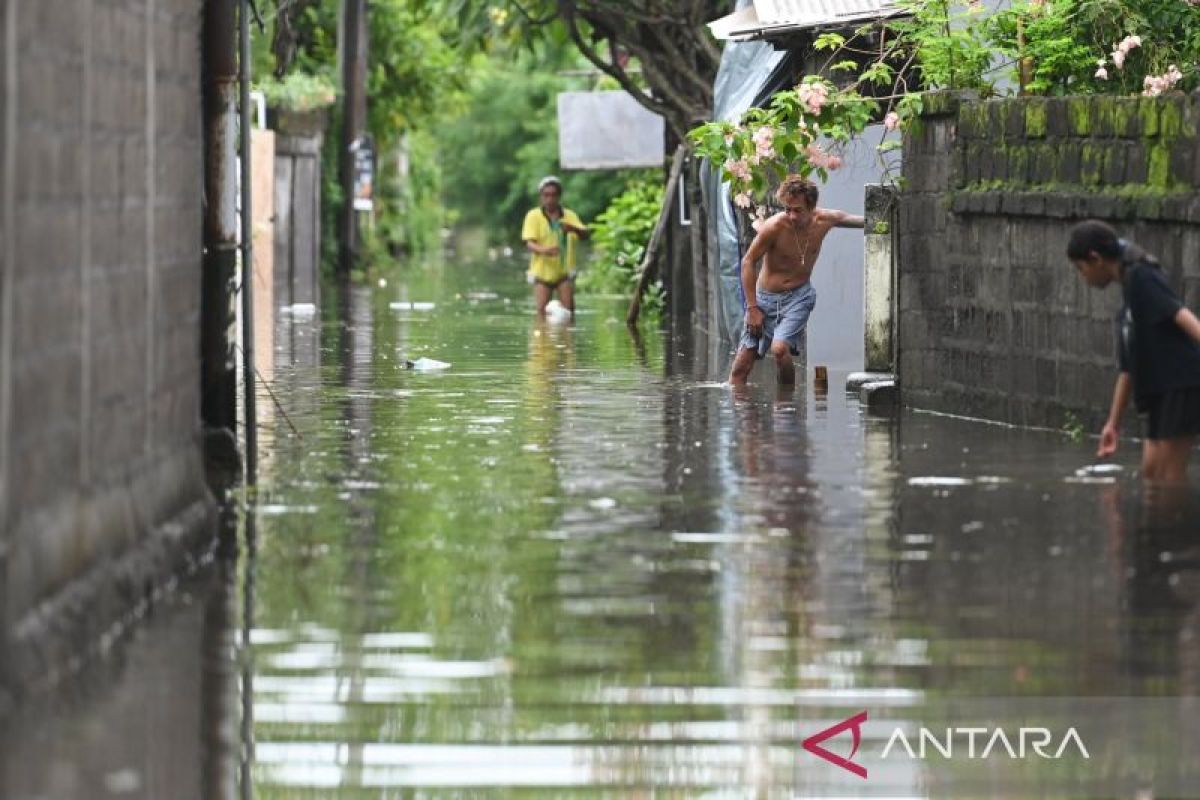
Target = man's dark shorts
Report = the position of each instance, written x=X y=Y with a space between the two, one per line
x=785 y=319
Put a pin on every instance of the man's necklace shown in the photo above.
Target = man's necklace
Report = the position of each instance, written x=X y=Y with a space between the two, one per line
x=803 y=247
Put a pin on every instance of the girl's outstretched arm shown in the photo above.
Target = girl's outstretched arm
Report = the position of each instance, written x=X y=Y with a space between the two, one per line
x=1111 y=434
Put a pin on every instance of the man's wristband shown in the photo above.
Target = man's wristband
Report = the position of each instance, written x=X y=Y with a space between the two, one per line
x=752 y=308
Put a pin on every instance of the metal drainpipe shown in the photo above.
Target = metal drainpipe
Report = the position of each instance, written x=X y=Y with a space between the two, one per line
x=247 y=254
x=354 y=113
x=218 y=404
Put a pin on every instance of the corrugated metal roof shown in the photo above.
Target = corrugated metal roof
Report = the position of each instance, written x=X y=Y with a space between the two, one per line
x=818 y=12
x=766 y=17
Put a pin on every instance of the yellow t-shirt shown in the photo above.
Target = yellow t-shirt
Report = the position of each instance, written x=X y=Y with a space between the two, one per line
x=537 y=229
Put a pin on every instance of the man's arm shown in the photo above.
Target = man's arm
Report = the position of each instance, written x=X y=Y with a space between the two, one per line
x=841 y=219
x=758 y=249
x=581 y=232
x=1188 y=321
x=534 y=247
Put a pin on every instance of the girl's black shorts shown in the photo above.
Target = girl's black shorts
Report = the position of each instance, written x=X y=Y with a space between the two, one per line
x=1174 y=414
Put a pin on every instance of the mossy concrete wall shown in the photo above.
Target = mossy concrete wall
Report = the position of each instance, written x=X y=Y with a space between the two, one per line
x=102 y=487
x=993 y=322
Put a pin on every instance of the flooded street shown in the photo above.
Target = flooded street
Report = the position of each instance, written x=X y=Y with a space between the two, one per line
x=575 y=564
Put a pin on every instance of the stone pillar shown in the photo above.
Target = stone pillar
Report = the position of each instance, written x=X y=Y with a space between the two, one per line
x=879 y=281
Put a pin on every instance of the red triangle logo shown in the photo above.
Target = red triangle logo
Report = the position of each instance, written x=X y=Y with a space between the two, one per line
x=813 y=744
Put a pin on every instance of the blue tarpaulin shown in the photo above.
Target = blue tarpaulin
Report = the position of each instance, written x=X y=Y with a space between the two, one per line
x=750 y=73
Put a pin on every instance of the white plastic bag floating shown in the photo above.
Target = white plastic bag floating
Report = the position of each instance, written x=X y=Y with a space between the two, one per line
x=406 y=306
x=1098 y=469
x=557 y=312
x=426 y=365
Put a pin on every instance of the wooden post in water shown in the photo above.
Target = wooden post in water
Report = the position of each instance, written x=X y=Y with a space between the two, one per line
x=646 y=269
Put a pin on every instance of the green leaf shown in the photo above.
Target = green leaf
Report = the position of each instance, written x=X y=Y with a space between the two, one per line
x=829 y=41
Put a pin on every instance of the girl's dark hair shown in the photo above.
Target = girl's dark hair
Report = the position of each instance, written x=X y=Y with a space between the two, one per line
x=1093 y=236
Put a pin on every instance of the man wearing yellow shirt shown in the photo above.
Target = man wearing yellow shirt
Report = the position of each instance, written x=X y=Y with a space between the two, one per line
x=550 y=234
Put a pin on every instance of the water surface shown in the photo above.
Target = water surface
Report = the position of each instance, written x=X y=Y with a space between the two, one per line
x=576 y=565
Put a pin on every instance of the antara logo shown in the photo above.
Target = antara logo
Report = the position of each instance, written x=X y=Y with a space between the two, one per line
x=813 y=744
x=980 y=743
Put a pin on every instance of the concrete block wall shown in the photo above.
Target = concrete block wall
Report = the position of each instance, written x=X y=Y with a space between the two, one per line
x=99 y=309
x=993 y=322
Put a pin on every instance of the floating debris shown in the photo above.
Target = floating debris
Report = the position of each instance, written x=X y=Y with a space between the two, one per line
x=426 y=365
x=278 y=510
x=406 y=306
x=1099 y=469
x=300 y=310
x=939 y=481
x=557 y=312
x=124 y=781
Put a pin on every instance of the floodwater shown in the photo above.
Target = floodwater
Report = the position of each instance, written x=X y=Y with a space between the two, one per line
x=576 y=565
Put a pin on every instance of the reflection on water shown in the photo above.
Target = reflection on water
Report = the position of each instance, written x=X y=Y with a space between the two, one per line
x=576 y=565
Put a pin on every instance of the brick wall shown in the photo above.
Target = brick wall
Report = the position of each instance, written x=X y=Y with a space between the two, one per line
x=99 y=304
x=993 y=322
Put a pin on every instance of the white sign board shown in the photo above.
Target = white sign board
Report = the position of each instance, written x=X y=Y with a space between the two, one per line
x=608 y=130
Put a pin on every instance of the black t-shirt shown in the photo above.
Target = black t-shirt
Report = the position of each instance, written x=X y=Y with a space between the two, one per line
x=1151 y=346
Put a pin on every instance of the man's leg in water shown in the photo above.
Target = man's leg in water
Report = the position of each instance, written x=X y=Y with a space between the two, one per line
x=541 y=297
x=781 y=350
x=742 y=364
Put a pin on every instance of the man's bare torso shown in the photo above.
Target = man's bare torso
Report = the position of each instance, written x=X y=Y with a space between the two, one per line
x=792 y=251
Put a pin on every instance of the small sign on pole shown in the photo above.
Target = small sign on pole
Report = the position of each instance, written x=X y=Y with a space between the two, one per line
x=364 y=174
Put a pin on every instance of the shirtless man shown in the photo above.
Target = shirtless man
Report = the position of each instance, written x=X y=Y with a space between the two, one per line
x=778 y=307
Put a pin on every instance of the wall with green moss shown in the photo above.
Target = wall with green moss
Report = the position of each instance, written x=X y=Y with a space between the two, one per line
x=993 y=320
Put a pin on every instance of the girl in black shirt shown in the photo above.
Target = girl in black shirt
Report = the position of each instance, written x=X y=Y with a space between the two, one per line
x=1158 y=345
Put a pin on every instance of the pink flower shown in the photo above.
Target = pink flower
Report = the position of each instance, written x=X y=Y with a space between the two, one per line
x=821 y=159
x=892 y=121
x=1122 y=49
x=1102 y=74
x=764 y=139
x=760 y=218
x=742 y=200
x=815 y=96
x=1154 y=85
x=739 y=169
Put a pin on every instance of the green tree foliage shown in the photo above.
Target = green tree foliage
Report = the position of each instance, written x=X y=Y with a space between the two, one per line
x=504 y=139
x=620 y=236
x=660 y=52
x=1050 y=46
x=416 y=70
x=1070 y=46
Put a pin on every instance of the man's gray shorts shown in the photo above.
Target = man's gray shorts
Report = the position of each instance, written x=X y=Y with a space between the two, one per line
x=785 y=319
